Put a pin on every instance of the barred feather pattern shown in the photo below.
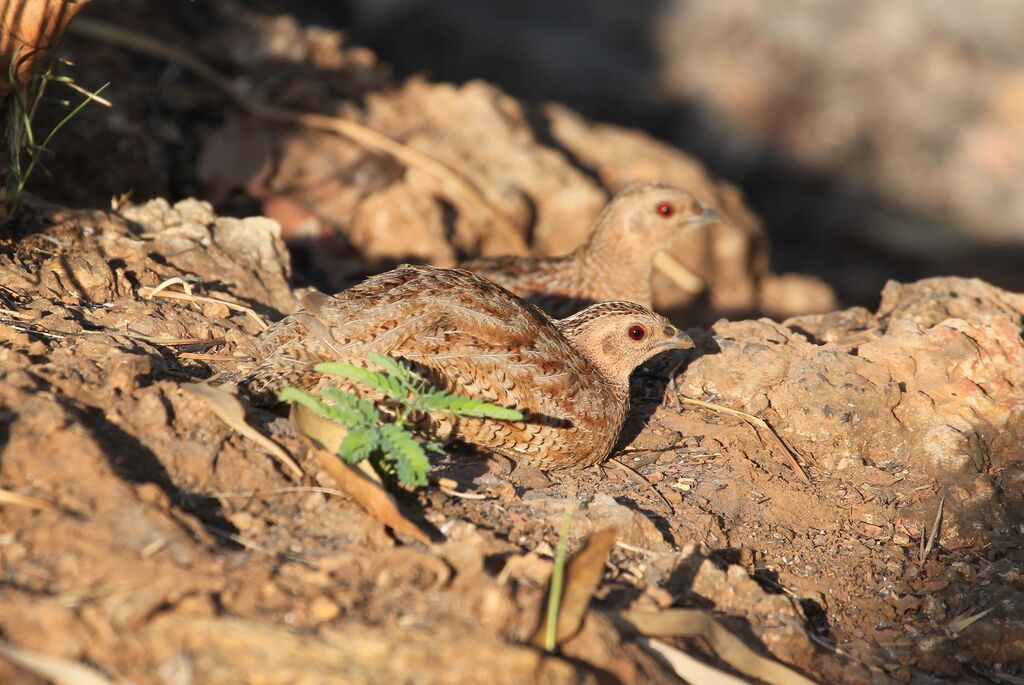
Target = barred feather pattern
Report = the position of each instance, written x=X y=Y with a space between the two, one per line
x=471 y=337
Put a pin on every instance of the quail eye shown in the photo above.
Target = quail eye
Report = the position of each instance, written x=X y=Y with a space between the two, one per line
x=666 y=209
x=637 y=332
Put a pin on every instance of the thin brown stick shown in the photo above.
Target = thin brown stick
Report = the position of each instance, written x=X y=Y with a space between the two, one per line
x=149 y=293
x=203 y=357
x=927 y=547
x=640 y=477
x=757 y=422
x=282 y=491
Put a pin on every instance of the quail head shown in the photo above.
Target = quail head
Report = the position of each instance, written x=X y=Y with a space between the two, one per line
x=615 y=263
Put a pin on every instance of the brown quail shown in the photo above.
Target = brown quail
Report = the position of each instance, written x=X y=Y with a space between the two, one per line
x=467 y=335
x=616 y=261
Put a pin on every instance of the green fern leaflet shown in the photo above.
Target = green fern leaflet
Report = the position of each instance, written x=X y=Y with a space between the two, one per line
x=387 y=438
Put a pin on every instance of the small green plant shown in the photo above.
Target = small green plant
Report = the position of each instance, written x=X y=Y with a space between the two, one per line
x=388 y=437
x=555 y=589
x=20 y=136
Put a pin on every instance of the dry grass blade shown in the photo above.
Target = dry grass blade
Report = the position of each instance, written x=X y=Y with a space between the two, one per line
x=200 y=356
x=464 y=495
x=185 y=297
x=693 y=623
x=227 y=407
x=680 y=275
x=21 y=316
x=53 y=668
x=166 y=283
x=254 y=546
x=933 y=534
x=168 y=342
x=688 y=668
x=962 y=623
x=92 y=96
x=757 y=422
x=19 y=500
x=630 y=471
x=360 y=486
x=277 y=492
x=583 y=575
x=35 y=329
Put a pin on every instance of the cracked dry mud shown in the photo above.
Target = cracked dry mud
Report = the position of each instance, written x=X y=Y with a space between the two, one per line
x=139 y=570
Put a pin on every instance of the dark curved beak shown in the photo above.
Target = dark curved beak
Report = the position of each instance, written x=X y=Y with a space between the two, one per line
x=678 y=341
x=706 y=216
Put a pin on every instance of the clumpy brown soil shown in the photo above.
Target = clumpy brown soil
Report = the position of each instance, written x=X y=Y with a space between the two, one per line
x=169 y=549
x=174 y=546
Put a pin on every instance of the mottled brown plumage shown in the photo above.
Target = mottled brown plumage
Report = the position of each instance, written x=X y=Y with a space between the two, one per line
x=616 y=261
x=474 y=338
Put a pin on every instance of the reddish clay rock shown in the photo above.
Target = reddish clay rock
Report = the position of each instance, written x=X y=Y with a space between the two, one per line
x=935 y=366
x=931 y=381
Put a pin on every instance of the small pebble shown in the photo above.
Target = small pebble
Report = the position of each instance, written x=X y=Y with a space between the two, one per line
x=322 y=609
x=243 y=520
x=314 y=501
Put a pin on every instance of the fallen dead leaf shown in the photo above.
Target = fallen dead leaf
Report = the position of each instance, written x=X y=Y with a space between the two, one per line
x=687 y=667
x=227 y=407
x=359 y=485
x=696 y=623
x=57 y=670
x=326 y=435
x=583 y=575
x=32 y=29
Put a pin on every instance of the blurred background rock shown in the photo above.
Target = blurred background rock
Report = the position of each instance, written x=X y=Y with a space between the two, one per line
x=876 y=139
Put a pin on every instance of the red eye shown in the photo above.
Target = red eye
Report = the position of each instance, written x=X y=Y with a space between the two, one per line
x=666 y=209
x=637 y=332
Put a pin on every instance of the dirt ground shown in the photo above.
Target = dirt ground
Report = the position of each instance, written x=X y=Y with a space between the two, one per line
x=163 y=547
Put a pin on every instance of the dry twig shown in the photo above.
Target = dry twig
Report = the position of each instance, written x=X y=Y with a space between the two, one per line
x=757 y=422
x=187 y=296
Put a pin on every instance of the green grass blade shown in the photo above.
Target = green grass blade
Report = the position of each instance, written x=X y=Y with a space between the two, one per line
x=46 y=142
x=73 y=113
x=557 y=578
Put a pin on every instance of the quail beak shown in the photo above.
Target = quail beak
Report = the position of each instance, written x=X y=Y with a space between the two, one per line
x=679 y=341
x=706 y=216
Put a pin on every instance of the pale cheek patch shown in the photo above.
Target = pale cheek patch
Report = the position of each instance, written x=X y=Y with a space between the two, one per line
x=607 y=346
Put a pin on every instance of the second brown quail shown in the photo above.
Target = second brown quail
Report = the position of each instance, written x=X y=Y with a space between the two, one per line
x=617 y=260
